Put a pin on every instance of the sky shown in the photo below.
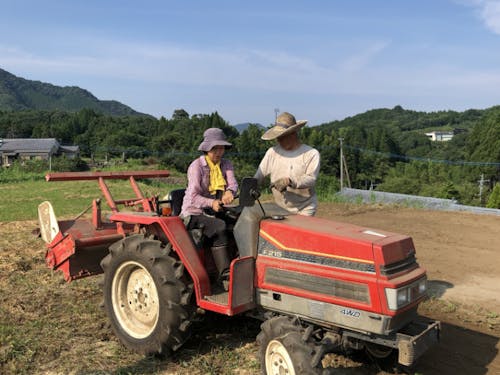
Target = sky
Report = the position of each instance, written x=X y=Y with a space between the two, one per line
x=321 y=60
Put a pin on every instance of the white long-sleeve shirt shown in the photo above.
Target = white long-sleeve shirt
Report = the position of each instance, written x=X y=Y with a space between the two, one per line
x=302 y=167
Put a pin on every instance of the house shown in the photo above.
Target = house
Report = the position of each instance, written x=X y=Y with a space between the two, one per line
x=33 y=148
x=440 y=136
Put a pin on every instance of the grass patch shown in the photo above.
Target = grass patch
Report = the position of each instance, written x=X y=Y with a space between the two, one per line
x=50 y=326
x=20 y=200
x=452 y=311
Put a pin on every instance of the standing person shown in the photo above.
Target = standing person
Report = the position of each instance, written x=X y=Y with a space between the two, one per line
x=211 y=184
x=293 y=168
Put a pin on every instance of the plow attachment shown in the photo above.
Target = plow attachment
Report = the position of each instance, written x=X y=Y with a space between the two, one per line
x=76 y=247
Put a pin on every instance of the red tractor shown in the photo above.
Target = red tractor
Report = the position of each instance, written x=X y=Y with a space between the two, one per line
x=319 y=286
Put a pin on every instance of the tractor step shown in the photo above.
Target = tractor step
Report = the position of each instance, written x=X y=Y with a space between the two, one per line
x=221 y=298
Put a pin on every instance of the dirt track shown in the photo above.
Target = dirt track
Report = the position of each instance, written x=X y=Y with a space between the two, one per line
x=461 y=253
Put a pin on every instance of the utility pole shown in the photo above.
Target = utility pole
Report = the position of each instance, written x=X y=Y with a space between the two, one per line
x=482 y=181
x=341 y=165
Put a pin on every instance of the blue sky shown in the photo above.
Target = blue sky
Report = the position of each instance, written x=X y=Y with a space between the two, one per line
x=321 y=60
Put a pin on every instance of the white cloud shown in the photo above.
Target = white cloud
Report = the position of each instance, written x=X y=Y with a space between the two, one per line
x=275 y=71
x=488 y=11
x=364 y=57
x=131 y=72
x=175 y=64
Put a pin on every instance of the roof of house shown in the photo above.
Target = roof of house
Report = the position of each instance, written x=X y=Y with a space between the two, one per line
x=8 y=145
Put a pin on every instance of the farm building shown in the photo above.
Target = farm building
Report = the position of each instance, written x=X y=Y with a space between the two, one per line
x=33 y=148
x=440 y=136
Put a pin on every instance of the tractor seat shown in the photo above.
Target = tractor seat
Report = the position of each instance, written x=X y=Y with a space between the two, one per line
x=176 y=197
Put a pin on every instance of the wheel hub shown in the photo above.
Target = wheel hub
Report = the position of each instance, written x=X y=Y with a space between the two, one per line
x=139 y=294
x=135 y=299
x=278 y=361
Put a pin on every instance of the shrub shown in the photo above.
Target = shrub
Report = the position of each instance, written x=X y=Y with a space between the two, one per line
x=63 y=164
x=494 y=199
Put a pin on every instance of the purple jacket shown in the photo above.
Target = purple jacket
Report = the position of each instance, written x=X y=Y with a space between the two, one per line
x=197 y=195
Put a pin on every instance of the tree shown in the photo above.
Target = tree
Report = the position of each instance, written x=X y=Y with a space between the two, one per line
x=483 y=144
x=494 y=199
x=180 y=114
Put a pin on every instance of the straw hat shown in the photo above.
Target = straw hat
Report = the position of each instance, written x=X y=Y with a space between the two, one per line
x=285 y=124
x=213 y=137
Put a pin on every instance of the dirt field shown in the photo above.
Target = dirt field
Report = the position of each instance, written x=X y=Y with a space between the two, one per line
x=461 y=253
x=50 y=327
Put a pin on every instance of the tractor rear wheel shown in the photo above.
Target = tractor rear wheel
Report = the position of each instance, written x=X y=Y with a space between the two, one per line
x=147 y=296
x=283 y=349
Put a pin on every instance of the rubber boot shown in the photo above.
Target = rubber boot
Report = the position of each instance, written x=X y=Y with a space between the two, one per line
x=222 y=264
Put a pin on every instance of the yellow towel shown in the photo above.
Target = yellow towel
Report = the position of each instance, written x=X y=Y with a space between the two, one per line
x=217 y=181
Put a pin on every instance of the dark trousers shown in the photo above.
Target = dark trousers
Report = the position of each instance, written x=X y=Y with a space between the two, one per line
x=213 y=228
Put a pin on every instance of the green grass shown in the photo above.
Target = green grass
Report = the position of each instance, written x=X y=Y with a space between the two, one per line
x=22 y=193
x=20 y=199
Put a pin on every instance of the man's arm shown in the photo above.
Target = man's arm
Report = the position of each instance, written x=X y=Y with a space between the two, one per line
x=308 y=179
x=264 y=169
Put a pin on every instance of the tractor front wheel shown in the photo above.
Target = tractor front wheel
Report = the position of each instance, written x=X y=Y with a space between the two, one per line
x=385 y=357
x=146 y=296
x=283 y=350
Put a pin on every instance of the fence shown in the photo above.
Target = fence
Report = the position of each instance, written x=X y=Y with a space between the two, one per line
x=371 y=196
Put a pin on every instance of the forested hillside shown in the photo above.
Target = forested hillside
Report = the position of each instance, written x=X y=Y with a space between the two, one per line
x=385 y=149
x=22 y=94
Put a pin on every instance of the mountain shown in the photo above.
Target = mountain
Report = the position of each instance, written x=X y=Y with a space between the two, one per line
x=404 y=120
x=17 y=94
x=243 y=126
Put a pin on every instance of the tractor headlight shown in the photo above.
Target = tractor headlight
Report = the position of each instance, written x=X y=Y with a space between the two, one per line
x=397 y=298
x=402 y=297
x=422 y=286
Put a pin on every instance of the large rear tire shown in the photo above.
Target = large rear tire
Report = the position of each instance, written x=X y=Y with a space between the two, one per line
x=283 y=349
x=147 y=296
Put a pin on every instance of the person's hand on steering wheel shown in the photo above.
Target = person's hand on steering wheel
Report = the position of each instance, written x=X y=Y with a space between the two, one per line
x=217 y=205
x=227 y=197
x=281 y=184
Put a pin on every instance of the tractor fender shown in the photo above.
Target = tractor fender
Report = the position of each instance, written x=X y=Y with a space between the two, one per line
x=177 y=235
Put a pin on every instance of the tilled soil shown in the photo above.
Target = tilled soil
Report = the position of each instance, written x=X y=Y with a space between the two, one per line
x=461 y=252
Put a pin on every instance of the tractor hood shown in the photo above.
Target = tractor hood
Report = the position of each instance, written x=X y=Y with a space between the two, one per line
x=332 y=243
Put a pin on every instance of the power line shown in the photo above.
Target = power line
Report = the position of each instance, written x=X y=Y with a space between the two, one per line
x=416 y=158
x=319 y=148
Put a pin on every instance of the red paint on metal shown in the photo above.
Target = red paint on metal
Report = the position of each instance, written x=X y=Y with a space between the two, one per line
x=337 y=240
x=391 y=251
x=146 y=205
x=122 y=175
x=264 y=262
x=78 y=247
x=107 y=195
x=178 y=236
x=231 y=308
x=316 y=237
x=96 y=213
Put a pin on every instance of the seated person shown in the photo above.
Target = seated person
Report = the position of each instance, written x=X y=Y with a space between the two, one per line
x=211 y=184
